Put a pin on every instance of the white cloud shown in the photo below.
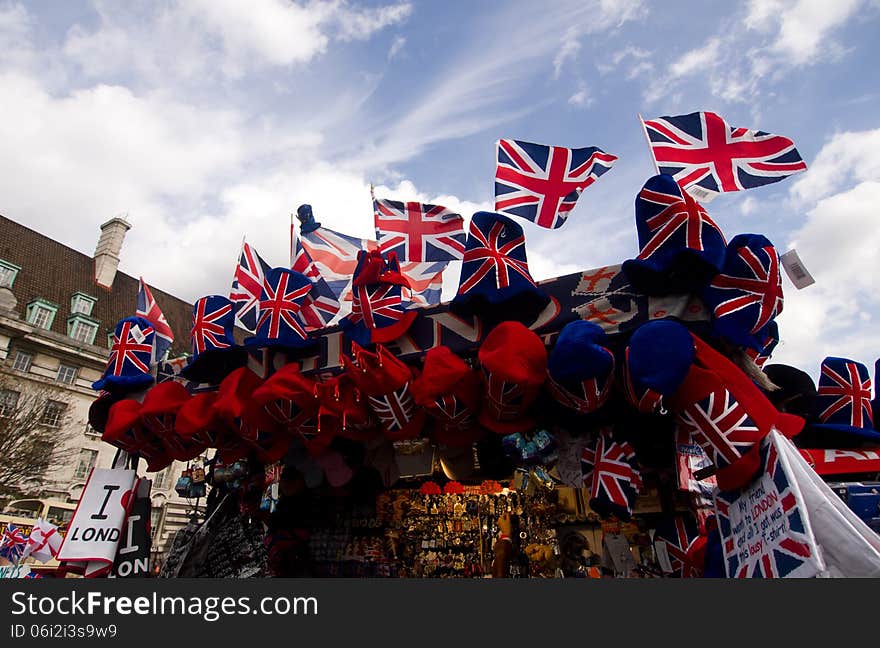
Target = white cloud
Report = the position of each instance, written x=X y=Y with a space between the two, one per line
x=568 y=51
x=360 y=24
x=397 y=46
x=847 y=156
x=581 y=98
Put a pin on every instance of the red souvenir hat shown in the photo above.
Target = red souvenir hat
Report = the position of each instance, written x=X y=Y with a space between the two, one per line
x=450 y=392
x=292 y=400
x=233 y=396
x=385 y=380
x=727 y=414
x=124 y=431
x=344 y=410
x=514 y=363
x=159 y=414
x=197 y=420
x=268 y=439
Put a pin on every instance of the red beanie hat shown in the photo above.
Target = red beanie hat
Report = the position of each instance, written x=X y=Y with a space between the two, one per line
x=292 y=400
x=125 y=431
x=159 y=413
x=344 y=410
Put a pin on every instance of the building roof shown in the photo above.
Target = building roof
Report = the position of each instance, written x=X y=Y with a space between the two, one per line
x=54 y=272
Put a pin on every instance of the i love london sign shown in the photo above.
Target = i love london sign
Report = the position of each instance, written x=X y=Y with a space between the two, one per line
x=765 y=528
x=95 y=531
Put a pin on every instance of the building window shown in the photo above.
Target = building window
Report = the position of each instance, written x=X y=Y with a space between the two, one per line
x=155 y=518
x=41 y=313
x=8 y=402
x=8 y=273
x=82 y=328
x=22 y=361
x=53 y=413
x=82 y=303
x=90 y=431
x=87 y=459
x=66 y=374
x=160 y=481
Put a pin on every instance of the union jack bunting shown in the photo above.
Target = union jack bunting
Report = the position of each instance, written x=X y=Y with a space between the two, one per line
x=132 y=346
x=616 y=482
x=13 y=543
x=702 y=152
x=588 y=396
x=722 y=427
x=677 y=535
x=494 y=251
x=844 y=394
x=418 y=231
x=394 y=410
x=789 y=554
x=150 y=311
x=247 y=286
x=542 y=183
x=751 y=279
x=321 y=304
x=280 y=304
x=208 y=326
x=673 y=215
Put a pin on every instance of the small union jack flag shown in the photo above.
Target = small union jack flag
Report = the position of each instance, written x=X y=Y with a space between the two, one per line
x=616 y=482
x=208 y=325
x=722 y=426
x=677 y=535
x=13 y=543
x=756 y=282
x=669 y=214
x=247 y=286
x=280 y=304
x=150 y=311
x=321 y=304
x=701 y=149
x=844 y=393
x=130 y=353
x=334 y=256
x=418 y=231
x=395 y=410
x=542 y=183
x=498 y=251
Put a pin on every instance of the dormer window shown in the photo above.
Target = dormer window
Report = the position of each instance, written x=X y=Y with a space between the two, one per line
x=82 y=303
x=8 y=273
x=41 y=313
x=82 y=328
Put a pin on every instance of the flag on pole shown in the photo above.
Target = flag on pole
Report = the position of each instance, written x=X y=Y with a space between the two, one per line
x=321 y=304
x=418 y=232
x=43 y=542
x=426 y=282
x=334 y=256
x=247 y=286
x=708 y=157
x=542 y=183
x=150 y=311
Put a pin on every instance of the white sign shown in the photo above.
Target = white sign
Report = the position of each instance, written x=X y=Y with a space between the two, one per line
x=95 y=531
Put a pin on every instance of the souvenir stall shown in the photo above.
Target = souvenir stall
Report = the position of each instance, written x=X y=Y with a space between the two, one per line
x=612 y=422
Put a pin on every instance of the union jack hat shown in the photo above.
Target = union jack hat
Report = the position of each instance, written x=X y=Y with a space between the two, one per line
x=128 y=369
x=159 y=414
x=233 y=398
x=378 y=308
x=843 y=401
x=610 y=470
x=769 y=337
x=514 y=364
x=495 y=284
x=387 y=383
x=656 y=362
x=214 y=350
x=197 y=420
x=681 y=247
x=727 y=415
x=746 y=296
x=343 y=410
x=125 y=431
x=450 y=391
x=280 y=323
x=580 y=370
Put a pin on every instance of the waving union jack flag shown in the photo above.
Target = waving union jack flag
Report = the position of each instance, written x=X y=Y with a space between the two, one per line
x=615 y=482
x=721 y=426
x=701 y=150
x=845 y=393
x=131 y=350
x=208 y=331
x=247 y=286
x=321 y=304
x=13 y=543
x=418 y=231
x=757 y=282
x=281 y=303
x=150 y=311
x=334 y=256
x=677 y=535
x=542 y=183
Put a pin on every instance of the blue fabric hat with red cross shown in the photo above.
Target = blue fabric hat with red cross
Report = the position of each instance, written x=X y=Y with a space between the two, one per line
x=128 y=368
x=843 y=401
x=280 y=323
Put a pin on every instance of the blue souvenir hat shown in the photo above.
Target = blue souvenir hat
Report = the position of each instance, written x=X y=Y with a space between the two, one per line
x=279 y=323
x=128 y=368
x=657 y=360
x=495 y=284
x=580 y=370
x=843 y=401
x=746 y=296
x=682 y=248
x=214 y=350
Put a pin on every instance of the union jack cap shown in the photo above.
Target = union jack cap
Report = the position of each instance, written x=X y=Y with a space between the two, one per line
x=128 y=368
x=746 y=296
x=843 y=401
x=280 y=321
x=681 y=247
x=495 y=283
x=214 y=351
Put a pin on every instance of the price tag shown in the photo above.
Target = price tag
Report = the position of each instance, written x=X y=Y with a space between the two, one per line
x=796 y=270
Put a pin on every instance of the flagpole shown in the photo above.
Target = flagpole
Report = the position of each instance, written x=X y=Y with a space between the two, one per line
x=291 y=240
x=648 y=140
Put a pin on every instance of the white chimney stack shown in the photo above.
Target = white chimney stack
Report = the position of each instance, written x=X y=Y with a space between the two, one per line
x=107 y=251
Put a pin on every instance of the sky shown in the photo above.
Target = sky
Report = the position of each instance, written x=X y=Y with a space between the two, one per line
x=205 y=121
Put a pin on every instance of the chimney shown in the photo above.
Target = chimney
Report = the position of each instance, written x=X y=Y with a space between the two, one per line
x=107 y=251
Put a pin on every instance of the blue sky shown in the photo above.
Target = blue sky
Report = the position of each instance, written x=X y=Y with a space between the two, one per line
x=207 y=120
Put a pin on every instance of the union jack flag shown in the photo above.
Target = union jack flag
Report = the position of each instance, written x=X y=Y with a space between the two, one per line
x=845 y=393
x=677 y=535
x=418 y=231
x=721 y=426
x=378 y=305
x=674 y=212
x=281 y=303
x=247 y=286
x=542 y=183
x=321 y=304
x=701 y=150
x=425 y=282
x=615 y=479
x=791 y=554
x=208 y=331
x=13 y=543
x=128 y=353
x=588 y=396
x=762 y=289
x=394 y=410
x=150 y=311
x=334 y=256
x=495 y=251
